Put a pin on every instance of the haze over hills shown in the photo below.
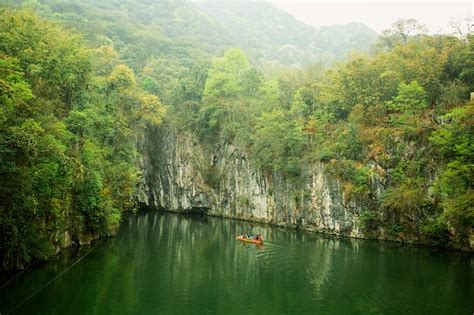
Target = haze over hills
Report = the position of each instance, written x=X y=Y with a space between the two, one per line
x=270 y=34
x=267 y=34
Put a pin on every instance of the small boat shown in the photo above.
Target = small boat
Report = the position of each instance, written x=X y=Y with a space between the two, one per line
x=242 y=238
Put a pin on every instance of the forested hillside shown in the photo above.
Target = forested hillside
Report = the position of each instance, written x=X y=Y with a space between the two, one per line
x=81 y=82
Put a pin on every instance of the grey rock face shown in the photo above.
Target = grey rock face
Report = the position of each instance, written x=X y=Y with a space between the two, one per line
x=179 y=175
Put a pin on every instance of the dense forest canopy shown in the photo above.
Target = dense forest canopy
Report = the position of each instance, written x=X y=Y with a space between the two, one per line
x=80 y=83
x=70 y=119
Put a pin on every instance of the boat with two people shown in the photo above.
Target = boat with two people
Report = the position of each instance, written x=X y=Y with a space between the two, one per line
x=250 y=238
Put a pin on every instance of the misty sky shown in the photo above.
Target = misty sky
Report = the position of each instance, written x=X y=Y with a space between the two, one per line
x=377 y=15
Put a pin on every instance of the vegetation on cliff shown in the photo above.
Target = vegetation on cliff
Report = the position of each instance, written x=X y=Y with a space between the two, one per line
x=395 y=128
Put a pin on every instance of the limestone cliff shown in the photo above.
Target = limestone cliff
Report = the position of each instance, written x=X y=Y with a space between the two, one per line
x=180 y=174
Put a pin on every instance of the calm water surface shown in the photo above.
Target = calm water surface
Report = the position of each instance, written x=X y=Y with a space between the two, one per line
x=175 y=264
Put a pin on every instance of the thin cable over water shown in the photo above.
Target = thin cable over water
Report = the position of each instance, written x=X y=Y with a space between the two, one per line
x=51 y=281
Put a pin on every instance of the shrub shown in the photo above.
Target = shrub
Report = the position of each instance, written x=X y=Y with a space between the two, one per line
x=368 y=221
x=436 y=230
x=396 y=229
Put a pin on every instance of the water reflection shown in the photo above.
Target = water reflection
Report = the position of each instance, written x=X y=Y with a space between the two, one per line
x=166 y=263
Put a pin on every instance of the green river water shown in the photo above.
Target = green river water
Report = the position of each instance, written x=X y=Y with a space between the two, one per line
x=162 y=263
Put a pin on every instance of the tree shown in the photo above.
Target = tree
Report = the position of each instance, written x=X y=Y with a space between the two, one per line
x=454 y=185
x=411 y=98
x=400 y=32
x=278 y=142
x=462 y=28
x=405 y=28
x=231 y=85
x=226 y=76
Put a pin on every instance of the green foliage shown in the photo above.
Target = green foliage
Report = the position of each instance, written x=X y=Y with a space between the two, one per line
x=453 y=93
x=14 y=90
x=69 y=126
x=212 y=176
x=437 y=230
x=230 y=86
x=122 y=78
x=405 y=199
x=396 y=229
x=278 y=142
x=244 y=201
x=410 y=99
x=454 y=140
x=369 y=221
x=227 y=75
